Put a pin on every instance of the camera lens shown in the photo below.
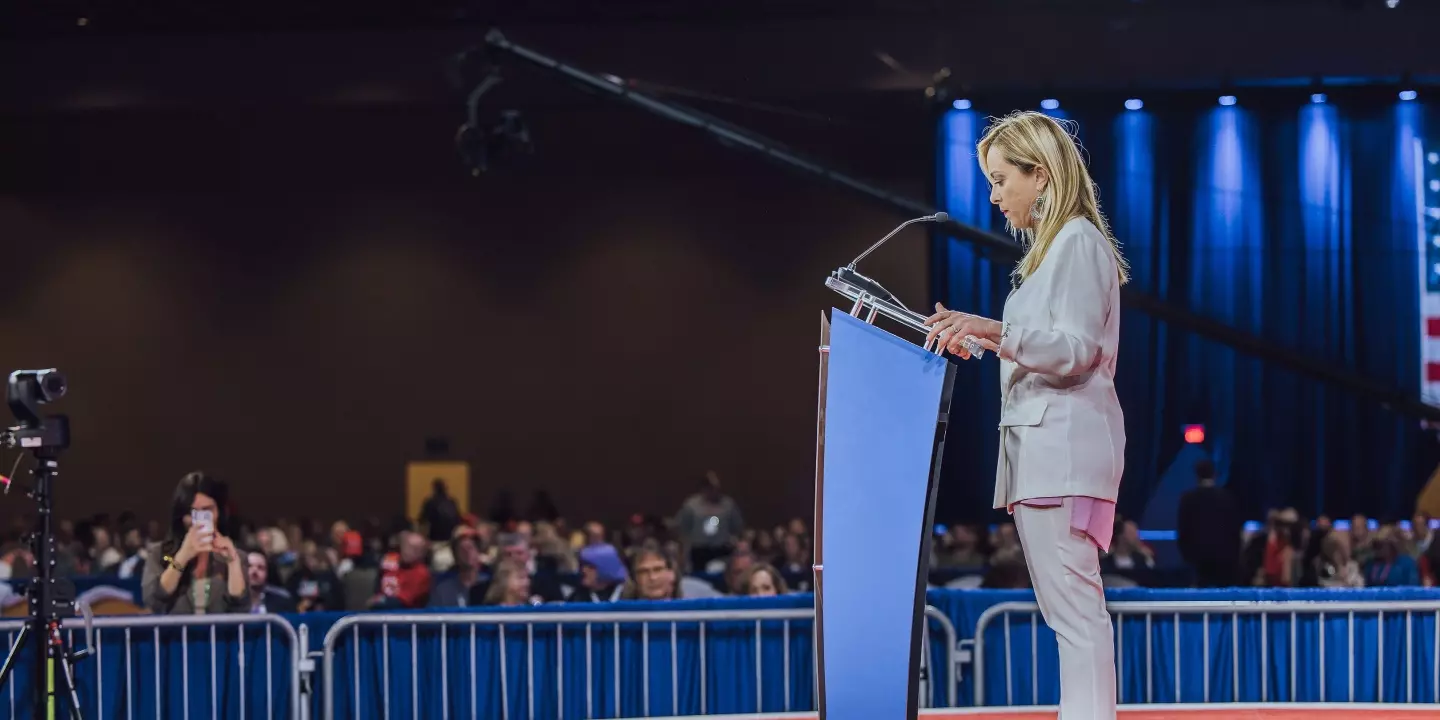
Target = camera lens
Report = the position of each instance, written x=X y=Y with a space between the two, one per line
x=52 y=385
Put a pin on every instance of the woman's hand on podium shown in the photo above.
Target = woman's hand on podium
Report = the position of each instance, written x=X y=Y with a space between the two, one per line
x=953 y=327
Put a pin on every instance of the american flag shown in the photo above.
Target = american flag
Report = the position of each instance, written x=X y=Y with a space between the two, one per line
x=1429 y=202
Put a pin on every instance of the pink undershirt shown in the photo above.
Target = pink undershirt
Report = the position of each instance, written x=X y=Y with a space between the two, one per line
x=1089 y=516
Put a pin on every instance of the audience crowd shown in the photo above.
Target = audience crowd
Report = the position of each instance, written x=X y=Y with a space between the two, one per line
x=445 y=558
x=1218 y=550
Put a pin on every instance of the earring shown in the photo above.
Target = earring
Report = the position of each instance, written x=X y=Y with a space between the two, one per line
x=1037 y=210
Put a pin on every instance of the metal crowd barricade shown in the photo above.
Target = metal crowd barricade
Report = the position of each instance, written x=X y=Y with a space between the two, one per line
x=951 y=668
x=1153 y=614
x=132 y=671
x=466 y=625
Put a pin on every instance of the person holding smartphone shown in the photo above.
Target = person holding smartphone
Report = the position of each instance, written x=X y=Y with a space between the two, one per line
x=196 y=570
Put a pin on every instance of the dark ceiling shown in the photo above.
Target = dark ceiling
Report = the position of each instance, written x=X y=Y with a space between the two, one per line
x=83 y=54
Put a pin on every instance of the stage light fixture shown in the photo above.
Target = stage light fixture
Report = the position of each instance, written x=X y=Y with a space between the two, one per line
x=1318 y=98
x=1408 y=95
x=1227 y=100
x=961 y=104
x=1134 y=104
x=1050 y=104
x=1392 y=4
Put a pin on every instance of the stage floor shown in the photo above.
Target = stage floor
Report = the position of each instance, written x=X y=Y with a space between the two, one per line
x=1325 y=711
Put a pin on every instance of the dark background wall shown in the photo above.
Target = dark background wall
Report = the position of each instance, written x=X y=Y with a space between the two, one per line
x=244 y=234
x=296 y=297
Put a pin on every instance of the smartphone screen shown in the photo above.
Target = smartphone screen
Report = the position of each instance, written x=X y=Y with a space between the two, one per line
x=203 y=520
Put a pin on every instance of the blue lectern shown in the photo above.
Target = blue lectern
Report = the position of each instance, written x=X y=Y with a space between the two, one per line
x=884 y=404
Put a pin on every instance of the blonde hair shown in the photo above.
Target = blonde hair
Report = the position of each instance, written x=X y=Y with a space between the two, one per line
x=500 y=581
x=1030 y=140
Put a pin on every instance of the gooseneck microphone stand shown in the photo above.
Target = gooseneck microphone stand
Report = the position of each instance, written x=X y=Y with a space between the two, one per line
x=873 y=299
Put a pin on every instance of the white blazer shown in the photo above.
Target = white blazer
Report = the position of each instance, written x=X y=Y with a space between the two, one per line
x=1061 y=429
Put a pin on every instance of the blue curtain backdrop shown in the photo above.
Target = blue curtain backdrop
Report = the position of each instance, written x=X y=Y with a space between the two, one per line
x=1296 y=223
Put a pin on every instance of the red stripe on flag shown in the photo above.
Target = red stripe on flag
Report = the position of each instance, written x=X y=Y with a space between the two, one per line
x=1432 y=372
x=1432 y=326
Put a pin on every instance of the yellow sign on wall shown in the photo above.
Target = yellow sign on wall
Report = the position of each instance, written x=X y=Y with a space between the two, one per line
x=420 y=478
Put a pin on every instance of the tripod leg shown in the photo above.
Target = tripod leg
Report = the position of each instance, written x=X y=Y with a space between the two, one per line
x=14 y=655
x=69 y=681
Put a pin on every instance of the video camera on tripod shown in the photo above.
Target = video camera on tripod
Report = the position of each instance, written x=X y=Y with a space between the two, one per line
x=51 y=599
x=25 y=393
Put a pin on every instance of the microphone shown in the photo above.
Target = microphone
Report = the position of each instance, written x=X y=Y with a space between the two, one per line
x=869 y=286
x=937 y=217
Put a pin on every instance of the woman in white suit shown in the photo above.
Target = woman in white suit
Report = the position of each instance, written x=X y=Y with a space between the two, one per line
x=1062 y=435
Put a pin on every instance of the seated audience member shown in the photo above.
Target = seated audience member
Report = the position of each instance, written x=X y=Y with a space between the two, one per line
x=767 y=548
x=959 y=547
x=551 y=550
x=510 y=586
x=134 y=549
x=735 y=569
x=264 y=597
x=1334 y=566
x=602 y=575
x=1127 y=551
x=1007 y=573
x=692 y=588
x=359 y=572
x=454 y=589
x=796 y=563
x=1421 y=536
x=96 y=542
x=544 y=580
x=763 y=580
x=335 y=544
x=19 y=563
x=593 y=534
x=1361 y=545
x=72 y=560
x=652 y=577
x=1253 y=548
x=404 y=576
x=1284 y=557
x=1006 y=543
x=1313 y=557
x=314 y=584
x=1389 y=566
x=350 y=553
x=276 y=547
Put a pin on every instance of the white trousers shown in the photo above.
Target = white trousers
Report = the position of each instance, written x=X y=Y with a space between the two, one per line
x=1065 y=571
